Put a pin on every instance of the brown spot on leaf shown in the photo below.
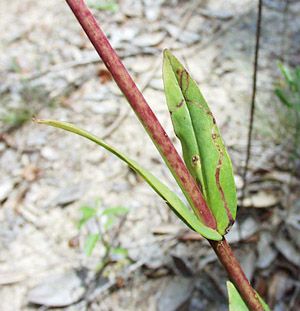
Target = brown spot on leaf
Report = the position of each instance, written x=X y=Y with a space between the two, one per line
x=184 y=75
x=195 y=159
x=180 y=104
x=217 y=175
x=198 y=182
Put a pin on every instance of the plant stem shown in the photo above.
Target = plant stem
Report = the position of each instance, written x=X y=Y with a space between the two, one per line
x=165 y=147
x=253 y=96
x=143 y=111
x=236 y=274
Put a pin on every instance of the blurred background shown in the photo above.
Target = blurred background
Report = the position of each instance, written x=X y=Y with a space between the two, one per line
x=79 y=229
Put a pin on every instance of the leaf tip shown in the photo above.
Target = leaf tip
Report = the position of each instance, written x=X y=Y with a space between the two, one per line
x=167 y=54
x=36 y=120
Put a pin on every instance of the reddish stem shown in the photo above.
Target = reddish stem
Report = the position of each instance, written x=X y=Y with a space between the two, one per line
x=143 y=111
x=236 y=274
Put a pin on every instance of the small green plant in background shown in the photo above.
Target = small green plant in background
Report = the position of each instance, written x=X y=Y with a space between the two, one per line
x=15 y=117
x=288 y=89
x=288 y=92
x=106 y=220
x=16 y=113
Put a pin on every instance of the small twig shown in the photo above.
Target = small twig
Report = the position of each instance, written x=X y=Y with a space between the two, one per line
x=112 y=283
x=206 y=43
x=12 y=145
x=73 y=64
x=110 y=245
x=283 y=42
x=253 y=97
x=188 y=13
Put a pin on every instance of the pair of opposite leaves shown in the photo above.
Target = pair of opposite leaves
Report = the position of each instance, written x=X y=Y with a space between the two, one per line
x=203 y=151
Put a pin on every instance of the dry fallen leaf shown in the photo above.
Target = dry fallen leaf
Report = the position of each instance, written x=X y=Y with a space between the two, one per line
x=176 y=294
x=266 y=252
x=261 y=199
x=30 y=172
x=287 y=249
x=6 y=187
x=8 y=278
x=279 y=285
x=242 y=232
x=58 y=290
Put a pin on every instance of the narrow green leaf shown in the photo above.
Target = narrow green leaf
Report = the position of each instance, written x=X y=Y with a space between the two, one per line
x=286 y=73
x=87 y=211
x=236 y=303
x=115 y=210
x=263 y=303
x=91 y=243
x=203 y=149
x=283 y=98
x=161 y=189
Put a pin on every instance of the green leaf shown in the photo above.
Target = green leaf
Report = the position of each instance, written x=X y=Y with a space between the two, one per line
x=203 y=150
x=236 y=303
x=90 y=243
x=115 y=210
x=16 y=117
x=286 y=73
x=88 y=212
x=104 y=6
x=161 y=189
x=283 y=98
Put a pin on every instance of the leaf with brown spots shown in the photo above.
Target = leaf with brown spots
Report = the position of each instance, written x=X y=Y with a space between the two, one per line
x=203 y=150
